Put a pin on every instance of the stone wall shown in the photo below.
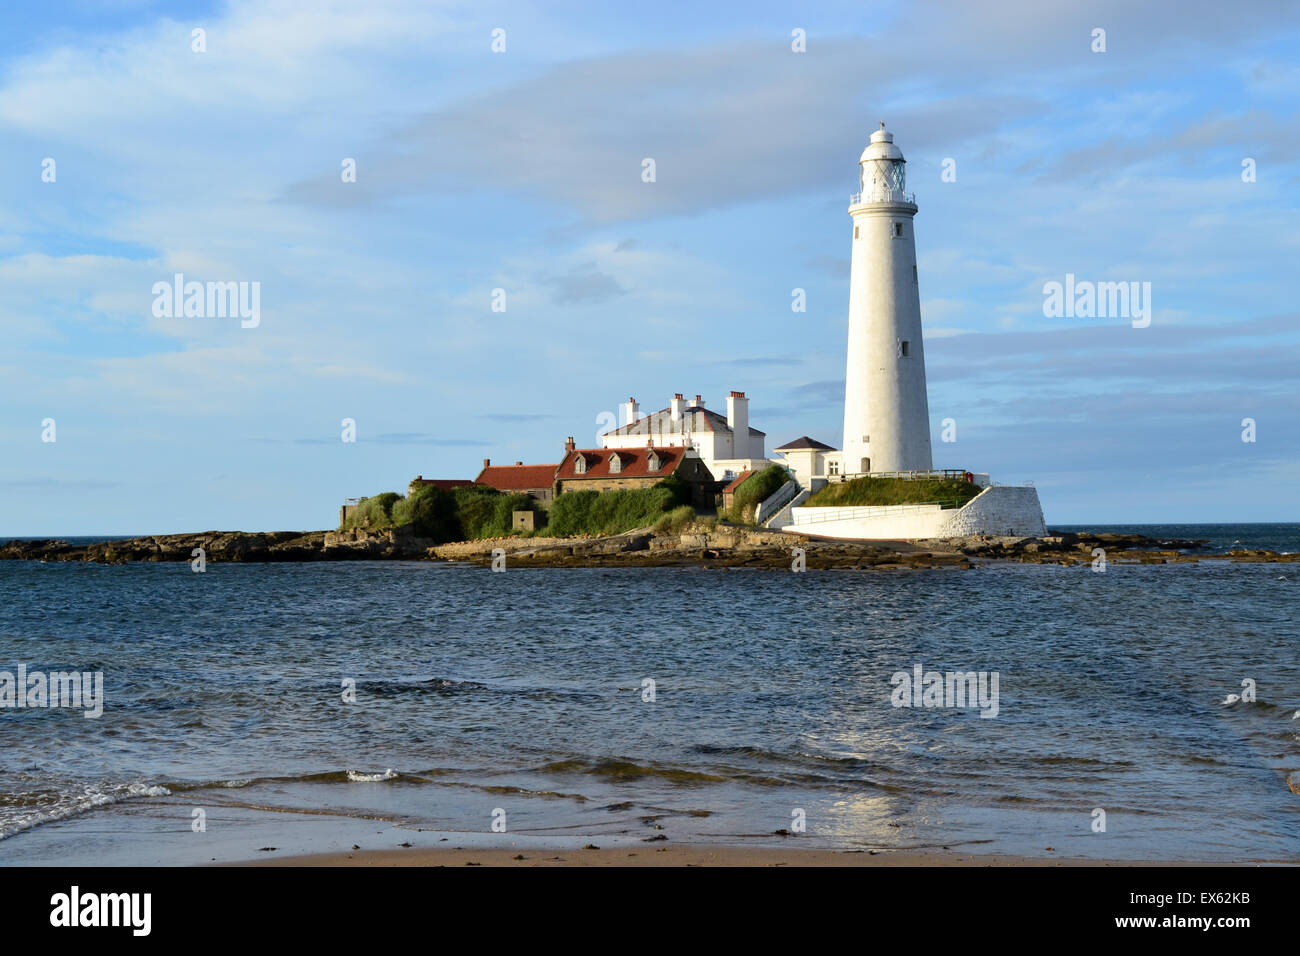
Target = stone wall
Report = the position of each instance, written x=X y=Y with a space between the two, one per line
x=1001 y=509
x=608 y=484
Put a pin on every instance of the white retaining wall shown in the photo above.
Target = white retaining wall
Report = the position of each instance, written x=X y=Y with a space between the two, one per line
x=997 y=510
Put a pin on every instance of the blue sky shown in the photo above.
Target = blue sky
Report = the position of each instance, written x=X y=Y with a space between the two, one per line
x=522 y=171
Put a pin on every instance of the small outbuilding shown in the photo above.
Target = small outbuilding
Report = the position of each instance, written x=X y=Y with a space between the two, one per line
x=537 y=481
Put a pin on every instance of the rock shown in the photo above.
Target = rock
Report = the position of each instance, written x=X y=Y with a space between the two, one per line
x=723 y=547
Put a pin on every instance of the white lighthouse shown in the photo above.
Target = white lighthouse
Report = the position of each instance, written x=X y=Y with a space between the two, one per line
x=886 y=414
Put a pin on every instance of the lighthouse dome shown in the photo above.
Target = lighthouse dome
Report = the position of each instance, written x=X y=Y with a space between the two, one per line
x=881 y=147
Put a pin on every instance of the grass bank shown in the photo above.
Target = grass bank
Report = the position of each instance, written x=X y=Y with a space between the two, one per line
x=862 y=492
x=757 y=488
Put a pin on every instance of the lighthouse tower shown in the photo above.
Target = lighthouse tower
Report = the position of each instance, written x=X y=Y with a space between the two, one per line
x=886 y=414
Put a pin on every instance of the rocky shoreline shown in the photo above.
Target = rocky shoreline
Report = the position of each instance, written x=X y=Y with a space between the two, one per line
x=721 y=546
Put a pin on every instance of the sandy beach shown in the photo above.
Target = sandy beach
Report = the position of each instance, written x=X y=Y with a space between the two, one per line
x=678 y=856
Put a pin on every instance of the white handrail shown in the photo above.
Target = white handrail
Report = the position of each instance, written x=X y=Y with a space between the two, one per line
x=882 y=195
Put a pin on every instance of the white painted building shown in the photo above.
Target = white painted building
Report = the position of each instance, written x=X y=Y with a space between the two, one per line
x=886 y=412
x=812 y=462
x=886 y=409
x=727 y=444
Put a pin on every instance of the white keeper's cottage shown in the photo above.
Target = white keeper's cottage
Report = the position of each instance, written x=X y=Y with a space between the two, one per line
x=726 y=443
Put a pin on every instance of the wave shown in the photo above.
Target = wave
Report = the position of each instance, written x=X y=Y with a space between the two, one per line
x=620 y=770
x=323 y=776
x=23 y=811
x=356 y=776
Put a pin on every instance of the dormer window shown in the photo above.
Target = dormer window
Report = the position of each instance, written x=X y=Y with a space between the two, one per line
x=653 y=462
x=615 y=464
x=580 y=465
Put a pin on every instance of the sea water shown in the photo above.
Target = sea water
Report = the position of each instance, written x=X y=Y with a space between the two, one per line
x=301 y=705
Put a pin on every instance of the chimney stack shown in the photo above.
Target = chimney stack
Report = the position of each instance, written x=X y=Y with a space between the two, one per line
x=569 y=444
x=487 y=462
x=738 y=422
x=630 y=409
x=677 y=408
x=697 y=402
x=518 y=463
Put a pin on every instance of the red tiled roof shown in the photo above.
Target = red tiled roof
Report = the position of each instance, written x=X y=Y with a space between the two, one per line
x=736 y=483
x=635 y=463
x=517 y=477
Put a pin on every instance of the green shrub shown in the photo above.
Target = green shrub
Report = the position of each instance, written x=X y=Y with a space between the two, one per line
x=757 y=488
x=676 y=521
x=861 y=492
x=613 y=512
x=373 y=514
x=476 y=508
x=681 y=491
x=429 y=512
x=571 y=513
x=488 y=513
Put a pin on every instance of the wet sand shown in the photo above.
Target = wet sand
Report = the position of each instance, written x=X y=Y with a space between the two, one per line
x=688 y=855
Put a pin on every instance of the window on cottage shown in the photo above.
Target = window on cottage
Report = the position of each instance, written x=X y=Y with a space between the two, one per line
x=654 y=462
x=615 y=464
x=832 y=467
x=580 y=465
